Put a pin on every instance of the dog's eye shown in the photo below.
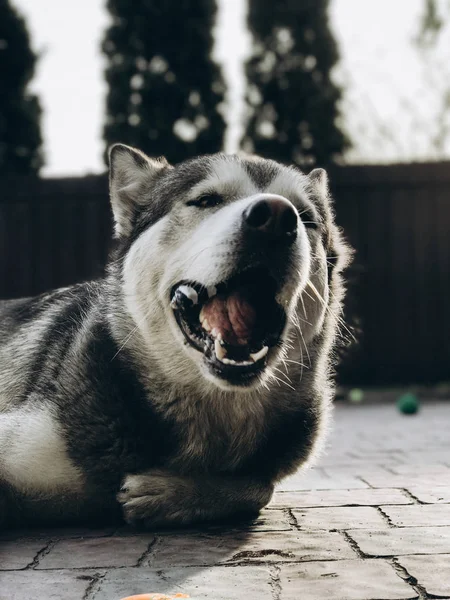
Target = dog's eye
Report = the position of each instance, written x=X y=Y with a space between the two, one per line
x=206 y=201
x=308 y=220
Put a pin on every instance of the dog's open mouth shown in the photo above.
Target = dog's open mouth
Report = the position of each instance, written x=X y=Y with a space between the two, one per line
x=234 y=323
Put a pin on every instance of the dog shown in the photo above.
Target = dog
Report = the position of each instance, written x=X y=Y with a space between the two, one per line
x=197 y=372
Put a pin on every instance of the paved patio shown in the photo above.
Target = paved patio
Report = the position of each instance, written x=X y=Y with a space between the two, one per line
x=371 y=522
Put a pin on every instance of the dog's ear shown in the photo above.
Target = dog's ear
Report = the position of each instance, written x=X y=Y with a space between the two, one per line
x=319 y=180
x=319 y=193
x=131 y=175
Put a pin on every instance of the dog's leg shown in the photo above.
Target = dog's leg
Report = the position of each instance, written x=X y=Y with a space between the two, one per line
x=159 y=497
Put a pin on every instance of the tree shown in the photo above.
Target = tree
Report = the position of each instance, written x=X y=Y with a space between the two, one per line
x=20 y=112
x=165 y=92
x=292 y=101
x=432 y=45
x=431 y=24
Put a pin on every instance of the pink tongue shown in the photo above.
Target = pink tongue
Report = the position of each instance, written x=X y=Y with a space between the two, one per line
x=231 y=316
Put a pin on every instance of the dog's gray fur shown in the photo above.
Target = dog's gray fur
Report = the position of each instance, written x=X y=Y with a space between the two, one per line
x=99 y=390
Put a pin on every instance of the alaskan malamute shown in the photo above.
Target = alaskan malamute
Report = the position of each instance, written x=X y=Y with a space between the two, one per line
x=196 y=374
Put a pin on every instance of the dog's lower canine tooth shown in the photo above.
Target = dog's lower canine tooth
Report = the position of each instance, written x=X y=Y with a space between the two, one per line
x=261 y=354
x=219 y=350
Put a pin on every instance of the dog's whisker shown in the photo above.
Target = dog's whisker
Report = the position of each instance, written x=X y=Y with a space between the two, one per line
x=330 y=310
x=299 y=331
x=296 y=362
x=282 y=381
x=283 y=373
x=124 y=343
x=303 y=306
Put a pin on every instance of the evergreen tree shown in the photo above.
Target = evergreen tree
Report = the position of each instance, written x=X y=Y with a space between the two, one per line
x=292 y=101
x=20 y=134
x=165 y=92
x=431 y=25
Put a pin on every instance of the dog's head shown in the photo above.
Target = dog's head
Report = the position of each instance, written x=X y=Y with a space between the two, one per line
x=223 y=258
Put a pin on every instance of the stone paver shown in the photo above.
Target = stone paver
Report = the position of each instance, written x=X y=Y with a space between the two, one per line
x=96 y=553
x=51 y=585
x=317 y=498
x=63 y=533
x=380 y=480
x=422 y=470
x=427 y=457
x=401 y=541
x=219 y=583
x=418 y=515
x=344 y=580
x=431 y=572
x=270 y=520
x=340 y=517
x=317 y=479
x=14 y=555
x=370 y=522
x=178 y=551
x=435 y=495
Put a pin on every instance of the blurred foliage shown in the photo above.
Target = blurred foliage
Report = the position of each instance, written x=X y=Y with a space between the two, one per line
x=165 y=92
x=431 y=24
x=20 y=112
x=292 y=100
x=432 y=43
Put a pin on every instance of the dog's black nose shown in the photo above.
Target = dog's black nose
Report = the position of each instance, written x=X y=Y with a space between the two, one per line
x=272 y=215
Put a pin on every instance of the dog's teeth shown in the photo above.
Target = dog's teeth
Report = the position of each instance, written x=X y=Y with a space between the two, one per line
x=229 y=361
x=240 y=363
x=212 y=291
x=189 y=292
x=220 y=351
x=216 y=333
x=259 y=355
x=204 y=321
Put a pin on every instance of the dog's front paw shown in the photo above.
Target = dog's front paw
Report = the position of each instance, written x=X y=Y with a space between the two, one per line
x=158 y=498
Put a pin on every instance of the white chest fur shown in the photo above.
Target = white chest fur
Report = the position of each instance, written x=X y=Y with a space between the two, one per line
x=33 y=456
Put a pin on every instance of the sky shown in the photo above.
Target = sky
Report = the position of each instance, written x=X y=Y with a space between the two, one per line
x=390 y=107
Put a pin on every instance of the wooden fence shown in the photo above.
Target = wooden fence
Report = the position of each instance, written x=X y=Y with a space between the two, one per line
x=52 y=233
x=398 y=220
x=57 y=232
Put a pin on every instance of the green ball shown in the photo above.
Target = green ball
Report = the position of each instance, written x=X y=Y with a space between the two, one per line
x=408 y=404
x=356 y=395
